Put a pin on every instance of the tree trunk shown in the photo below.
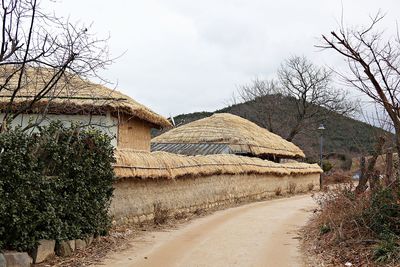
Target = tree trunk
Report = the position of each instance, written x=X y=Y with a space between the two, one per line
x=362 y=185
x=362 y=182
x=397 y=135
x=374 y=180
x=389 y=167
x=293 y=132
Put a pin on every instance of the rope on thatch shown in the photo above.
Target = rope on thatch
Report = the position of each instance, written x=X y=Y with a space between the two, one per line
x=139 y=164
x=241 y=135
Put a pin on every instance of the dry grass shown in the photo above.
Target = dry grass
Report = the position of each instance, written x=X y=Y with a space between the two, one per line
x=291 y=188
x=118 y=240
x=131 y=164
x=241 y=135
x=161 y=214
x=342 y=230
x=278 y=191
x=337 y=177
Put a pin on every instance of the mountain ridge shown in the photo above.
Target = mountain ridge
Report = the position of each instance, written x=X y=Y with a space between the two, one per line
x=343 y=135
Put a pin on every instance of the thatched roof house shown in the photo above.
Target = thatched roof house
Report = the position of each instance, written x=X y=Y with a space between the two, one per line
x=75 y=99
x=224 y=133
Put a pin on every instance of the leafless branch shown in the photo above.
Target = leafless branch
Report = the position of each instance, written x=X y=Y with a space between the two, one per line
x=49 y=46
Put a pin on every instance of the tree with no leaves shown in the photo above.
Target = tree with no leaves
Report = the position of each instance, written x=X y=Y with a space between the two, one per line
x=52 y=46
x=306 y=87
x=264 y=110
x=374 y=64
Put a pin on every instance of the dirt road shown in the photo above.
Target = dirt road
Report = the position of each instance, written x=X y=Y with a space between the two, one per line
x=257 y=234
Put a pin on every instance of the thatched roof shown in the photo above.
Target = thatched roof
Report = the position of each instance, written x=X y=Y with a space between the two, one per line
x=138 y=164
x=72 y=95
x=224 y=133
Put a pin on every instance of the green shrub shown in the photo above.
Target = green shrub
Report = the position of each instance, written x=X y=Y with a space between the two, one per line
x=383 y=217
x=54 y=184
x=326 y=165
x=383 y=214
x=388 y=249
x=324 y=228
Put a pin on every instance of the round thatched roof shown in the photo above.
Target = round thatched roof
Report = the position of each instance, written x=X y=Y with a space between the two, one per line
x=70 y=95
x=224 y=133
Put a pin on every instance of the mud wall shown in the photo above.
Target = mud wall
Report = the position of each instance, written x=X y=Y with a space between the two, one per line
x=135 y=199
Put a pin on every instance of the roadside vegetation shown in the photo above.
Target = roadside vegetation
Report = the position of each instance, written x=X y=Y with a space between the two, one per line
x=360 y=226
x=362 y=229
x=55 y=184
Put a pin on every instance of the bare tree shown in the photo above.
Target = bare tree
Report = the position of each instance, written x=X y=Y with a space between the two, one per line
x=265 y=101
x=310 y=87
x=374 y=64
x=302 y=88
x=46 y=47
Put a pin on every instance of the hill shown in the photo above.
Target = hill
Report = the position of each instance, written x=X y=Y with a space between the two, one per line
x=343 y=135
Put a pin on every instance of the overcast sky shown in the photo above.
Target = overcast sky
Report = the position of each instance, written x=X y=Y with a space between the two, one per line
x=184 y=56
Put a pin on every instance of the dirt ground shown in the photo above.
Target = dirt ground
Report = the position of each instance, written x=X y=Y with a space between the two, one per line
x=257 y=234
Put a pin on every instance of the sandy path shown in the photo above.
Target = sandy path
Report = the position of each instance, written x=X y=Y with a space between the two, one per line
x=257 y=234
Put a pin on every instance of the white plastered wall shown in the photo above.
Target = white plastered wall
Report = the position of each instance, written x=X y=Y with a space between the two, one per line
x=107 y=124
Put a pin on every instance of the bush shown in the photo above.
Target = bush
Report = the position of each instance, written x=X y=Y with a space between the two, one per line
x=384 y=212
x=54 y=184
x=326 y=165
x=367 y=223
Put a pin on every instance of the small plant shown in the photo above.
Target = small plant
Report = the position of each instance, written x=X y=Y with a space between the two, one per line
x=291 y=188
x=387 y=250
x=326 y=165
x=323 y=229
x=310 y=187
x=278 y=191
x=161 y=214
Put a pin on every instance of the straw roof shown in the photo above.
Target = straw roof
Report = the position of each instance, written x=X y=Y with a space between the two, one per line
x=153 y=165
x=72 y=95
x=224 y=133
